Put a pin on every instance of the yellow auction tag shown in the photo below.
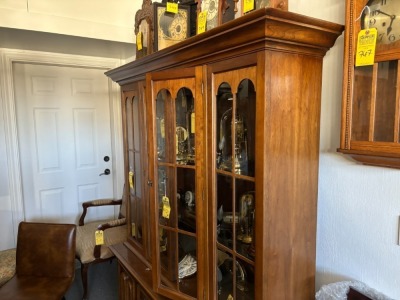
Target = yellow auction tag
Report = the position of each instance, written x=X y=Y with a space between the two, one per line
x=366 y=44
x=201 y=22
x=162 y=128
x=166 y=207
x=99 y=237
x=133 y=230
x=139 y=39
x=248 y=5
x=192 y=122
x=172 y=7
x=131 y=182
x=229 y=297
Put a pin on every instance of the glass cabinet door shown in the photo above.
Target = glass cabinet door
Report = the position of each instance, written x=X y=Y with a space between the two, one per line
x=235 y=102
x=175 y=135
x=133 y=120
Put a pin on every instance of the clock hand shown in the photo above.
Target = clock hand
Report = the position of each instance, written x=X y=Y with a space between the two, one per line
x=383 y=13
x=389 y=29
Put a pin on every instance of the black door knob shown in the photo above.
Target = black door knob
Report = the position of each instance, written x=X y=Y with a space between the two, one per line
x=106 y=172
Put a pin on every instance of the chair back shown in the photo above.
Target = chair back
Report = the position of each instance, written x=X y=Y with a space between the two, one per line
x=46 y=250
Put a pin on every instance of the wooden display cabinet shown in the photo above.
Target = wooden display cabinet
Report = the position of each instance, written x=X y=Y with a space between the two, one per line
x=232 y=135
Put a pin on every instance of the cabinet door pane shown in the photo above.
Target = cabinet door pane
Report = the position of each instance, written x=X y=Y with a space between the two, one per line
x=362 y=104
x=385 y=107
x=235 y=183
x=133 y=126
x=175 y=125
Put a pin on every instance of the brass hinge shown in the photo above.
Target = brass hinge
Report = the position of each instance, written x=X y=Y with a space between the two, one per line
x=202 y=87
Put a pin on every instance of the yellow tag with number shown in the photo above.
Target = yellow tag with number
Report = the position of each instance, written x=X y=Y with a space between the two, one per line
x=248 y=5
x=230 y=297
x=131 y=182
x=172 y=7
x=366 y=44
x=201 y=22
x=139 y=39
x=99 y=237
x=166 y=207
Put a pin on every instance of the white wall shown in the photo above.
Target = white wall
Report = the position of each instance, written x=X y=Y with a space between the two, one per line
x=98 y=19
x=358 y=206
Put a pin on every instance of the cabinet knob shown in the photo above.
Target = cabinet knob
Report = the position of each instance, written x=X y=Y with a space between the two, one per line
x=149 y=183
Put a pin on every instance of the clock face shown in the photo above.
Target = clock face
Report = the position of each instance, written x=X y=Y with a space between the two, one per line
x=384 y=15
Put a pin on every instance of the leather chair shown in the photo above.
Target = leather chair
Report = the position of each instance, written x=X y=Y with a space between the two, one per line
x=45 y=262
x=114 y=232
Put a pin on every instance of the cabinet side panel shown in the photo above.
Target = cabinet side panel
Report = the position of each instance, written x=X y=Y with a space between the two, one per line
x=291 y=181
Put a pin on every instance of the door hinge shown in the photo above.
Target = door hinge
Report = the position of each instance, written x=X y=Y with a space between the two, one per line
x=202 y=87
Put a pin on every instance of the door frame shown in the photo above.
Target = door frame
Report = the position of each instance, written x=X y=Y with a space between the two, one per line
x=7 y=102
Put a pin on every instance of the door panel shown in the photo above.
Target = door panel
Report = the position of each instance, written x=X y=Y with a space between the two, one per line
x=63 y=119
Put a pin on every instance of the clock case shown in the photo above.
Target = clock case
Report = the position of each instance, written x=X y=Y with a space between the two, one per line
x=370 y=127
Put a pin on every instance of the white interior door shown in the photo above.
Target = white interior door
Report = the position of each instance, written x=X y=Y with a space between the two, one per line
x=63 y=121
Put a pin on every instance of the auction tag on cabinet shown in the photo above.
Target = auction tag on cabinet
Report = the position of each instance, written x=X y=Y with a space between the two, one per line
x=99 y=237
x=248 y=5
x=201 y=22
x=366 y=44
x=131 y=183
x=166 y=207
x=172 y=7
x=230 y=297
x=192 y=122
x=139 y=39
x=133 y=230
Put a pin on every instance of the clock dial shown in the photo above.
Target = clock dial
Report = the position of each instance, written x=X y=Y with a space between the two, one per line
x=211 y=6
x=384 y=15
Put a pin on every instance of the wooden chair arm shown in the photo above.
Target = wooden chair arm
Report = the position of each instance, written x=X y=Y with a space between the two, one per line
x=96 y=203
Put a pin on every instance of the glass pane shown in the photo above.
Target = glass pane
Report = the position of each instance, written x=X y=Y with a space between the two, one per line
x=136 y=178
x=361 y=104
x=385 y=106
x=163 y=124
x=136 y=123
x=225 y=273
x=226 y=217
x=185 y=127
x=129 y=122
x=244 y=280
x=166 y=196
x=186 y=199
x=245 y=206
x=224 y=127
x=168 y=255
x=187 y=266
x=245 y=128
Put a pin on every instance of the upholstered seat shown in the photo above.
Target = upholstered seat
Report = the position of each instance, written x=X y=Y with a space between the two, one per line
x=114 y=232
x=45 y=262
x=7 y=265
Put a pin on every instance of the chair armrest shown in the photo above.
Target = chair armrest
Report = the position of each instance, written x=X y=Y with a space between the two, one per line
x=96 y=203
x=111 y=224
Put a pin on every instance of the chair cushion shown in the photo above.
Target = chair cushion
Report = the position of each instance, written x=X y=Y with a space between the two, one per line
x=7 y=265
x=85 y=240
x=32 y=287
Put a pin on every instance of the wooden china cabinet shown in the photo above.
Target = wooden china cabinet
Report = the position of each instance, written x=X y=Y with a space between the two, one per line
x=222 y=145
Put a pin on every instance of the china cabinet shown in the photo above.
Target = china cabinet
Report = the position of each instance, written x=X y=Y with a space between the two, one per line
x=370 y=106
x=224 y=206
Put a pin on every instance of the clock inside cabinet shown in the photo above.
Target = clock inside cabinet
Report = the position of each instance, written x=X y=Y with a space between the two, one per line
x=370 y=107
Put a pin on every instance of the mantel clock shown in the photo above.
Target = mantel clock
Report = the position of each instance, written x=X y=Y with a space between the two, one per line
x=370 y=106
